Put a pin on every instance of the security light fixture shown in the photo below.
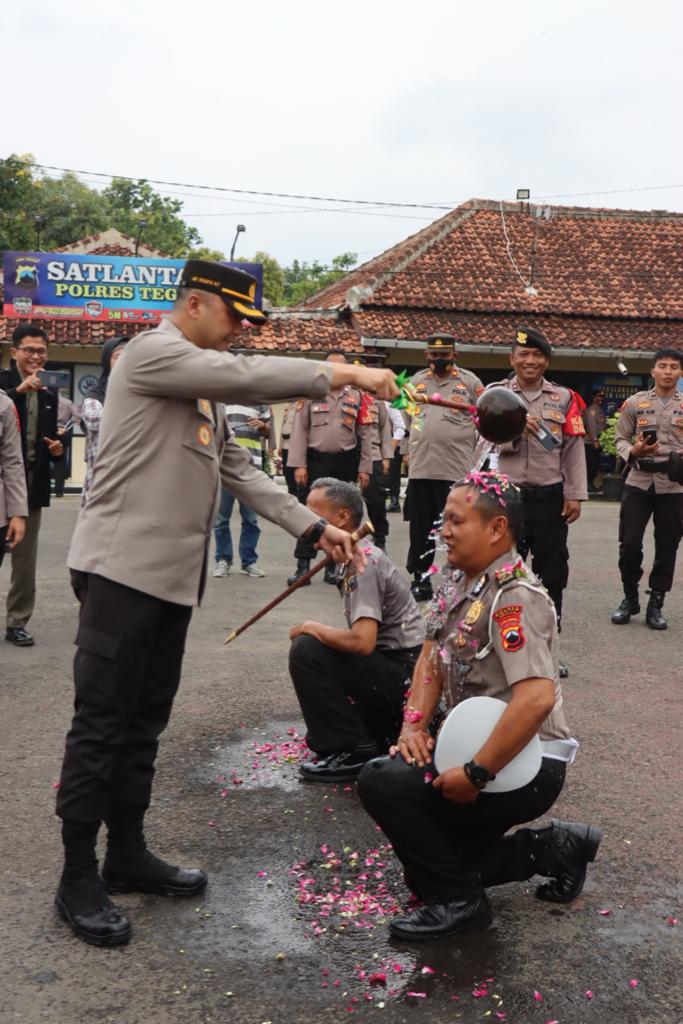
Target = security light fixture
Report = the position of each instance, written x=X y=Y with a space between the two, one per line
x=524 y=193
x=240 y=229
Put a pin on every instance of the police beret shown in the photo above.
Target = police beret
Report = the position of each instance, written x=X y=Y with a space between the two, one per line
x=235 y=287
x=439 y=342
x=528 y=337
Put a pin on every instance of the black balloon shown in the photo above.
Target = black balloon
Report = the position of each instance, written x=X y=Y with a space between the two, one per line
x=501 y=414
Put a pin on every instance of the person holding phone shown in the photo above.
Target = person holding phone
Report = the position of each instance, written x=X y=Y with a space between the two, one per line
x=547 y=463
x=37 y=407
x=650 y=424
x=13 y=496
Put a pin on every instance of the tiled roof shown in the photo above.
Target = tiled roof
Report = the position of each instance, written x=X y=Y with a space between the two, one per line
x=111 y=242
x=582 y=262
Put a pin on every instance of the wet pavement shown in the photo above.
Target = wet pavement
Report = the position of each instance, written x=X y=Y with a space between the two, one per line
x=293 y=925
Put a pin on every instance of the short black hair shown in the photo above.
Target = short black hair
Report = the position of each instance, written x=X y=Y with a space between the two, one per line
x=342 y=494
x=28 y=331
x=496 y=496
x=668 y=353
x=336 y=352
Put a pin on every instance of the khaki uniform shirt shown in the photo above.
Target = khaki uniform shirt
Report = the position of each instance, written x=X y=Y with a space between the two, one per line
x=164 y=452
x=527 y=463
x=594 y=421
x=13 y=497
x=646 y=411
x=286 y=429
x=499 y=631
x=381 y=593
x=330 y=424
x=442 y=441
x=381 y=431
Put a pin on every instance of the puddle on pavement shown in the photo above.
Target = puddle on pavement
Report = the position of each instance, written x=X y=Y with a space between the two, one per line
x=261 y=758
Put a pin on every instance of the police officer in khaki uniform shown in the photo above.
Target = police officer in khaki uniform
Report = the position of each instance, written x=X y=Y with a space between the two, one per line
x=547 y=463
x=440 y=450
x=328 y=439
x=594 y=420
x=138 y=557
x=285 y=435
x=650 y=426
x=351 y=683
x=491 y=631
x=13 y=493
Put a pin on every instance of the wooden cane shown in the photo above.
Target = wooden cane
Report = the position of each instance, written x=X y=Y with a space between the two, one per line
x=447 y=403
x=359 y=534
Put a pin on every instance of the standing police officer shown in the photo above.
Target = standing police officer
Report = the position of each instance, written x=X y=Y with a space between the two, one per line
x=328 y=439
x=650 y=424
x=138 y=557
x=440 y=450
x=547 y=463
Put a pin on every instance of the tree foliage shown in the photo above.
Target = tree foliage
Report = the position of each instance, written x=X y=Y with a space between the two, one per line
x=305 y=279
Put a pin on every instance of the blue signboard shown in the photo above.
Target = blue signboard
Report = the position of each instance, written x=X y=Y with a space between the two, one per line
x=125 y=289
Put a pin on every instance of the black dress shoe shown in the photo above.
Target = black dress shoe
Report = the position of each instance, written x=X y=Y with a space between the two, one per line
x=421 y=589
x=93 y=917
x=341 y=767
x=330 y=575
x=439 y=920
x=148 y=873
x=563 y=671
x=628 y=607
x=302 y=567
x=19 y=637
x=653 y=612
x=572 y=846
x=394 y=507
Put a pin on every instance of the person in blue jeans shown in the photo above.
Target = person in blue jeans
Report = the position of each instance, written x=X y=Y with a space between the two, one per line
x=249 y=535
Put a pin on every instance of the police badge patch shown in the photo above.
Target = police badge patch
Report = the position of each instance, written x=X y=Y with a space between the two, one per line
x=509 y=621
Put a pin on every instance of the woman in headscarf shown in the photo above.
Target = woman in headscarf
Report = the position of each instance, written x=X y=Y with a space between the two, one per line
x=93 y=405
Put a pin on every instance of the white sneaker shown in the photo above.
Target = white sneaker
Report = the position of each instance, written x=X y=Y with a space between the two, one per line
x=253 y=570
x=222 y=569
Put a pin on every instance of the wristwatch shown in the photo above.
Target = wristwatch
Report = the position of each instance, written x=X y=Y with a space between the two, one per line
x=315 y=532
x=478 y=774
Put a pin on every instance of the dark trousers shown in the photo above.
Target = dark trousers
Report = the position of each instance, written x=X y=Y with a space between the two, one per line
x=349 y=700
x=288 y=473
x=3 y=534
x=637 y=507
x=425 y=500
x=448 y=849
x=544 y=534
x=341 y=465
x=376 y=502
x=592 y=463
x=395 y=476
x=126 y=670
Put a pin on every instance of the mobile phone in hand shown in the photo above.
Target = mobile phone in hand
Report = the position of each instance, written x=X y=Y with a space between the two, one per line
x=650 y=436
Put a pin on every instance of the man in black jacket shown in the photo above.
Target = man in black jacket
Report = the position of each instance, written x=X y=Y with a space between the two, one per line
x=37 y=408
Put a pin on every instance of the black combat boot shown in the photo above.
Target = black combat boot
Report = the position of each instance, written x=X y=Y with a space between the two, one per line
x=563 y=853
x=302 y=567
x=653 y=612
x=130 y=867
x=420 y=588
x=628 y=607
x=330 y=574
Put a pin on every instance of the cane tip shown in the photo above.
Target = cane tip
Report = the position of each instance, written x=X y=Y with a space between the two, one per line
x=229 y=639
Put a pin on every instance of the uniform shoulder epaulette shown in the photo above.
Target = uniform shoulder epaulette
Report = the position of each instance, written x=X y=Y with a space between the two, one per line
x=511 y=572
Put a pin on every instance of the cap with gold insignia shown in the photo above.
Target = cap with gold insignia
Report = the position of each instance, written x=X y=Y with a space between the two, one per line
x=440 y=343
x=528 y=337
x=235 y=287
x=372 y=358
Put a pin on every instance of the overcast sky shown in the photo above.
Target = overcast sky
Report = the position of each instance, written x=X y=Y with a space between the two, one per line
x=429 y=102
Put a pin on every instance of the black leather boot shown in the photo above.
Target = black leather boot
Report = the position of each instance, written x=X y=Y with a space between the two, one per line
x=130 y=867
x=439 y=920
x=564 y=852
x=302 y=567
x=330 y=574
x=653 y=612
x=421 y=589
x=628 y=607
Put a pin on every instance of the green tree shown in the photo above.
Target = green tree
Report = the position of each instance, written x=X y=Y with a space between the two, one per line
x=204 y=252
x=305 y=279
x=131 y=202
x=273 y=276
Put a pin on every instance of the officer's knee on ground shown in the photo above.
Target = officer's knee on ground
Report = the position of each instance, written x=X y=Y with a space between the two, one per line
x=303 y=651
x=382 y=781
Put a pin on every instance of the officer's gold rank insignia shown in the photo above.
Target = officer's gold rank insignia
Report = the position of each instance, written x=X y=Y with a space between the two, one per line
x=473 y=613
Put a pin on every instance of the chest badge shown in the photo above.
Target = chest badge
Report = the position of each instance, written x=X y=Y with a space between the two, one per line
x=204 y=435
x=473 y=613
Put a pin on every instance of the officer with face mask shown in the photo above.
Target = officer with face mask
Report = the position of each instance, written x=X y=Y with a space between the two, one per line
x=440 y=450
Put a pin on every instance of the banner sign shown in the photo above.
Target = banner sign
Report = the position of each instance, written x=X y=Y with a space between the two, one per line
x=48 y=285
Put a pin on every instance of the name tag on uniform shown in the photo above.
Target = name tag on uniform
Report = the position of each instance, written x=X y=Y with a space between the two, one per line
x=320 y=407
x=644 y=405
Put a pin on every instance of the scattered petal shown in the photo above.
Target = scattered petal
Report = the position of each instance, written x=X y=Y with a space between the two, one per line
x=537 y=996
x=427 y=970
x=633 y=983
x=588 y=994
x=417 y=995
x=428 y=777
x=672 y=921
x=605 y=912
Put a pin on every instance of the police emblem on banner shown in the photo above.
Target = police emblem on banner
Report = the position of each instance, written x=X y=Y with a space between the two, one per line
x=509 y=620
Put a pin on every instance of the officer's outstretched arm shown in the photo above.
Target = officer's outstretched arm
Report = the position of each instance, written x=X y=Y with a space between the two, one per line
x=415 y=743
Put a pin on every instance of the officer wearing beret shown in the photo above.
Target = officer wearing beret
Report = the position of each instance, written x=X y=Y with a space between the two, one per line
x=440 y=450
x=491 y=631
x=138 y=561
x=328 y=438
x=650 y=426
x=547 y=463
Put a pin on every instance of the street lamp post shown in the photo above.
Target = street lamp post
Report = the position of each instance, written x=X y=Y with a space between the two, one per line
x=142 y=224
x=240 y=229
x=40 y=223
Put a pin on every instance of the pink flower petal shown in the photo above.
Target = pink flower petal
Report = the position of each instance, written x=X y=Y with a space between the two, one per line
x=417 y=995
x=672 y=921
x=427 y=970
x=588 y=994
x=633 y=983
x=537 y=996
x=605 y=913
x=428 y=777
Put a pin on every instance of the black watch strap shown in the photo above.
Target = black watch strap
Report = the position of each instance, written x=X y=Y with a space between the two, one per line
x=316 y=531
x=478 y=774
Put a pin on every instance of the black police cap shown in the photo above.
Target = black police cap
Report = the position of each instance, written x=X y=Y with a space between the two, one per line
x=528 y=337
x=235 y=287
x=439 y=342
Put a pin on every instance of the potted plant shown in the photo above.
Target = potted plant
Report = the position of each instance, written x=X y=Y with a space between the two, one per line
x=612 y=482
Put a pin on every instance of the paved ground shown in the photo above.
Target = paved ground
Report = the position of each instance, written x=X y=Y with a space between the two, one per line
x=227 y=797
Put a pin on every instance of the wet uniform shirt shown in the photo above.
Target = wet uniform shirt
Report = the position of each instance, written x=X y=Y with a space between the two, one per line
x=647 y=411
x=527 y=463
x=498 y=631
x=381 y=593
x=442 y=441
x=330 y=425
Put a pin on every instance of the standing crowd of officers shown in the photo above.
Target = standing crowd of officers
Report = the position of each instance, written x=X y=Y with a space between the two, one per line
x=165 y=444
